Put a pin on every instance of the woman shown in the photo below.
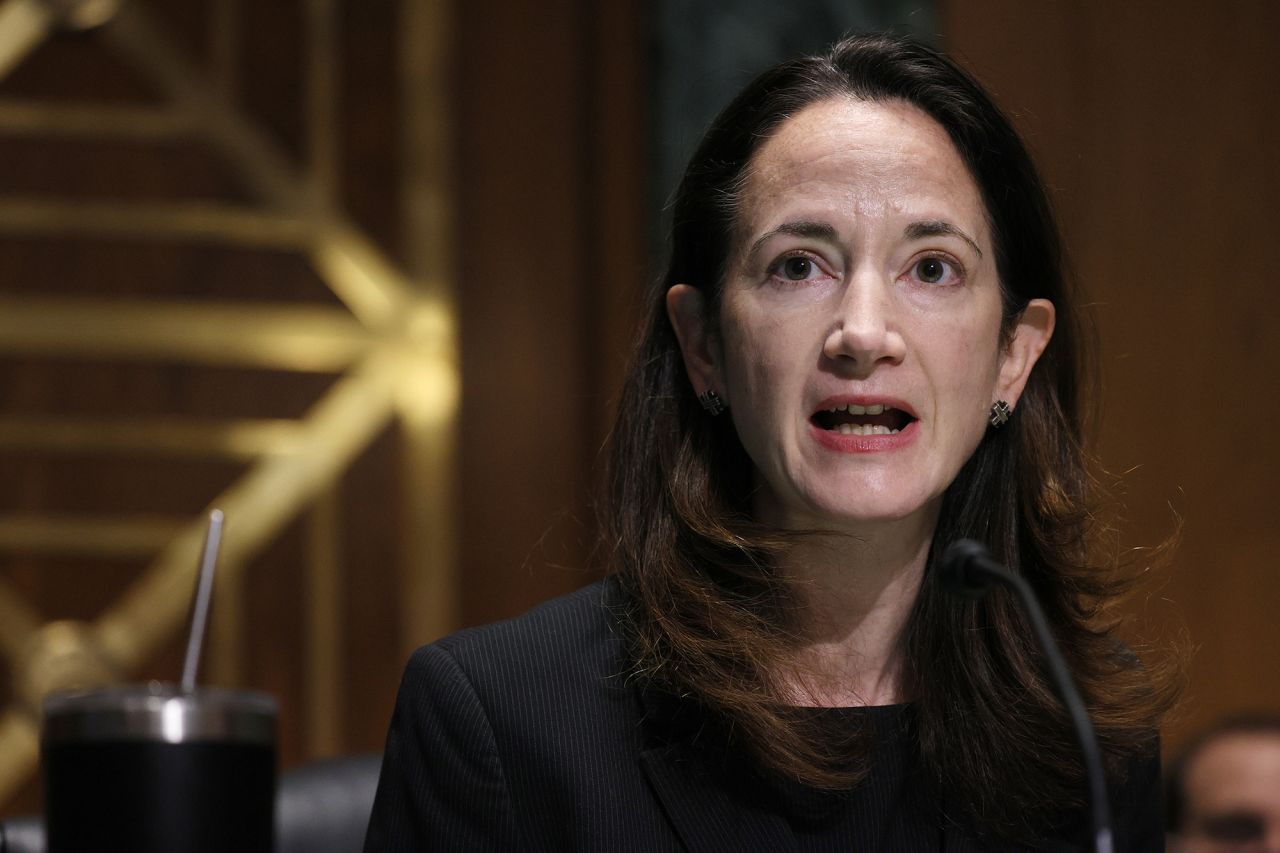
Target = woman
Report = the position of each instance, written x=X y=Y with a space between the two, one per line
x=863 y=350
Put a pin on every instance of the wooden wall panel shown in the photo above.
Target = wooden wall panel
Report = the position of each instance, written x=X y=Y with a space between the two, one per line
x=264 y=65
x=551 y=253
x=550 y=215
x=1155 y=126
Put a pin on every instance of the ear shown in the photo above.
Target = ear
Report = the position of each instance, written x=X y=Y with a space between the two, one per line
x=686 y=309
x=1030 y=337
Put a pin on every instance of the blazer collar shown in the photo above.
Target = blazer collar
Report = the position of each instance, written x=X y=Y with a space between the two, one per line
x=709 y=815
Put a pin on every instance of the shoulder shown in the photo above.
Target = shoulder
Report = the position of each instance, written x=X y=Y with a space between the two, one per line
x=564 y=619
x=521 y=735
x=580 y=626
x=549 y=693
x=561 y=663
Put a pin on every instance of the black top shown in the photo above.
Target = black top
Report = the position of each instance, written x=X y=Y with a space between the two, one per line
x=527 y=735
x=886 y=811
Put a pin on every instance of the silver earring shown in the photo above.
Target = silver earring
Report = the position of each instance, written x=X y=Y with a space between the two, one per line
x=711 y=401
x=1000 y=412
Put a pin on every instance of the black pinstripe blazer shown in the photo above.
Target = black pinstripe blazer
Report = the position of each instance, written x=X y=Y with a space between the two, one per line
x=522 y=736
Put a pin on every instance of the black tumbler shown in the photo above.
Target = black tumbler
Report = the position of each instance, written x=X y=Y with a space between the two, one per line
x=151 y=769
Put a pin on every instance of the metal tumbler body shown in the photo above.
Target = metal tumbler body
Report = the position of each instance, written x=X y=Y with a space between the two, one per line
x=155 y=770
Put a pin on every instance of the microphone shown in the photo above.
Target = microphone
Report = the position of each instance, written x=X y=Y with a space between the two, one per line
x=968 y=570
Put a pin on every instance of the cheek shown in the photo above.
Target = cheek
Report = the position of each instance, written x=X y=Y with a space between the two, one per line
x=762 y=371
x=756 y=384
x=977 y=366
x=964 y=371
x=759 y=353
x=974 y=356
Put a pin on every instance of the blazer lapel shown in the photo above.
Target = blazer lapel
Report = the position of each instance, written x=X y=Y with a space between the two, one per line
x=707 y=817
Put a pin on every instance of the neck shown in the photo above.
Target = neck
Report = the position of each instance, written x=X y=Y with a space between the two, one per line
x=856 y=593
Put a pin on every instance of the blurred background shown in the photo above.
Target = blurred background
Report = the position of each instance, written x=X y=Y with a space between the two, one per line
x=365 y=274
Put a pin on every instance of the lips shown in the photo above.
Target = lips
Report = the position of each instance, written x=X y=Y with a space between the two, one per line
x=861 y=418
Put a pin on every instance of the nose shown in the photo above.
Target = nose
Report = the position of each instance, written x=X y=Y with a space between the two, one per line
x=866 y=331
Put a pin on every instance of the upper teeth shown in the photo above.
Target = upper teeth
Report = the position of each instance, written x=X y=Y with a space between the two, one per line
x=855 y=409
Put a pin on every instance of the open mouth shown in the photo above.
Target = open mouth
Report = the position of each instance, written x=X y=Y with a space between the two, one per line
x=853 y=419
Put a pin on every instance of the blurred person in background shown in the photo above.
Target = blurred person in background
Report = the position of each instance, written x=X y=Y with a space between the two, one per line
x=1224 y=789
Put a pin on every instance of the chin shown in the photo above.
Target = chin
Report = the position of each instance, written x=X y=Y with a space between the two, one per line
x=843 y=514
x=843 y=503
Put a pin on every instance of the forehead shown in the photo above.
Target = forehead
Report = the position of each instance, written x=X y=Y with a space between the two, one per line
x=854 y=158
x=1236 y=770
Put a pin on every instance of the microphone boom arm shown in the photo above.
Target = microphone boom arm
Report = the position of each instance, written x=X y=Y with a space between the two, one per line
x=968 y=569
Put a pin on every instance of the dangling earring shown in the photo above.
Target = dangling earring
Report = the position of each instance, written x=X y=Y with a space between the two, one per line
x=1000 y=412
x=711 y=401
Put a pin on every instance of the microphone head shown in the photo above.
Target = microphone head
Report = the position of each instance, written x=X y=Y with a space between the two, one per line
x=956 y=569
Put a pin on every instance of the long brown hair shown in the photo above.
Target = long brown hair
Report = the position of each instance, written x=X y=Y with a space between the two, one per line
x=710 y=618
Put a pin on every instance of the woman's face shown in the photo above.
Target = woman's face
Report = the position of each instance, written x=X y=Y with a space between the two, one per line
x=858 y=346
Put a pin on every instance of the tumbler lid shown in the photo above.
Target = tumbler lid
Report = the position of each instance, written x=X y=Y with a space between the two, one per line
x=161 y=713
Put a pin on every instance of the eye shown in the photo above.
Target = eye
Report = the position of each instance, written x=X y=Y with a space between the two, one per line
x=791 y=269
x=1235 y=827
x=797 y=268
x=931 y=270
x=935 y=270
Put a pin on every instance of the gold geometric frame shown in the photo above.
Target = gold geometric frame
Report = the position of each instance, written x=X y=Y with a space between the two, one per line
x=394 y=346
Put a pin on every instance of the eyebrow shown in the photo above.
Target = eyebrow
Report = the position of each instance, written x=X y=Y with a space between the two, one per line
x=815 y=230
x=800 y=228
x=938 y=228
